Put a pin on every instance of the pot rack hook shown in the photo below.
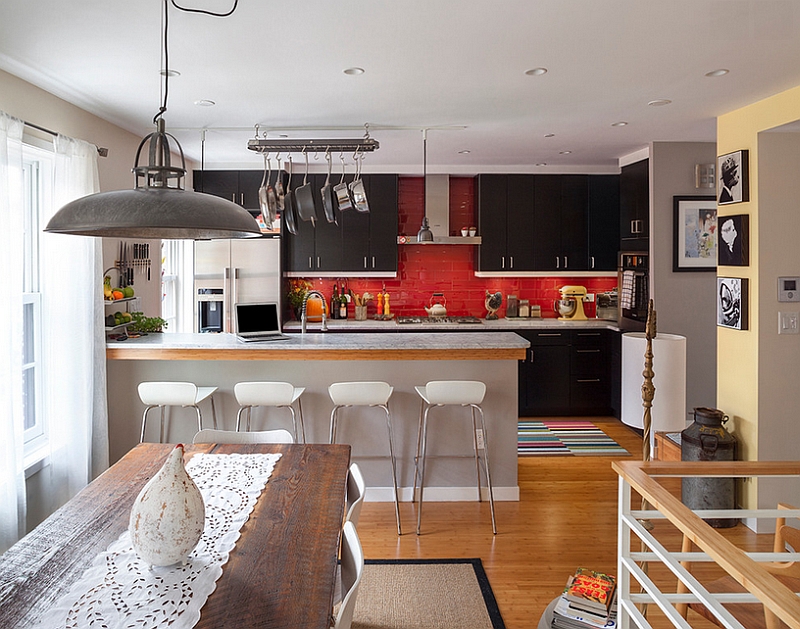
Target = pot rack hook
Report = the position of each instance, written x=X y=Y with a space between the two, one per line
x=257 y=128
x=366 y=131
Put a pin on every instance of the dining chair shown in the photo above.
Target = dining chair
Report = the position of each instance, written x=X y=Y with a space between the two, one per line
x=279 y=435
x=352 y=568
x=185 y=394
x=373 y=395
x=270 y=394
x=356 y=488
x=441 y=393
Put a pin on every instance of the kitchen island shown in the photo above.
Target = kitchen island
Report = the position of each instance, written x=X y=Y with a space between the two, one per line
x=314 y=361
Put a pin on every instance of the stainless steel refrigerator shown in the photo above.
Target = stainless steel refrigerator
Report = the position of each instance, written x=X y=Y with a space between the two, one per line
x=227 y=272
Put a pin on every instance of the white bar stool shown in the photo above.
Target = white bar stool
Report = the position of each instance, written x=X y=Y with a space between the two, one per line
x=346 y=394
x=437 y=393
x=275 y=394
x=163 y=394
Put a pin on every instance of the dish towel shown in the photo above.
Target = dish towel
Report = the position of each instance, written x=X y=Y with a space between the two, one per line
x=120 y=591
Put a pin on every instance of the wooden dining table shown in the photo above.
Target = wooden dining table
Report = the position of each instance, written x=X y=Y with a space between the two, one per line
x=280 y=574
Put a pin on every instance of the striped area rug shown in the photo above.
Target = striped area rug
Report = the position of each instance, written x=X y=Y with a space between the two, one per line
x=580 y=438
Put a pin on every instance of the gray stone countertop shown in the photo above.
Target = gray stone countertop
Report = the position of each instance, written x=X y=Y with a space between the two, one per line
x=511 y=325
x=313 y=340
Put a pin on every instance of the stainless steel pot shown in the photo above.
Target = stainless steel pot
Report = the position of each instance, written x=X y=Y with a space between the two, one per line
x=342 y=192
x=357 y=192
x=288 y=205
x=327 y=194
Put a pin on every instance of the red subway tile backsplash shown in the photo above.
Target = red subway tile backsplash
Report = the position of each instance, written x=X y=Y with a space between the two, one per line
x=449 y=269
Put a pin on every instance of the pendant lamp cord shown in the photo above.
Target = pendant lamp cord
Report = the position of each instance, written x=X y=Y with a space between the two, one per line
x=165 y=51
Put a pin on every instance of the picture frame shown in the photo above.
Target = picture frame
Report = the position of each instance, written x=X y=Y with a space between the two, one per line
x=694 y=233
x=733 y=177
x=733 y=246
x=732 y=303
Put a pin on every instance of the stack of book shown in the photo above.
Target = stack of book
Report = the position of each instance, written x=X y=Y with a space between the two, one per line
x=588 y=602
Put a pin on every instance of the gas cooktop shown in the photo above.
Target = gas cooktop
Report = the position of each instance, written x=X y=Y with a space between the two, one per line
x=438 y=320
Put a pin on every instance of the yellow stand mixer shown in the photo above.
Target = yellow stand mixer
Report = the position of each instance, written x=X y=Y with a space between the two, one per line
x=570 y=306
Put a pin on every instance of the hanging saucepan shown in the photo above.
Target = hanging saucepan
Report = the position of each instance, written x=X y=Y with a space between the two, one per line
x=341 y=191
x=288 y=204
x=279 y=191
x=272 y=203
x=327 y=193
x=357 y=192
x=304 y=199
x=263 y=202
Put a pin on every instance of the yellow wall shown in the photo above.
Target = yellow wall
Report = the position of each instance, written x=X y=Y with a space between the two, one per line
x=740 y=366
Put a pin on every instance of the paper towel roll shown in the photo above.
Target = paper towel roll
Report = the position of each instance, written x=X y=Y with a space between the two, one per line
x=668 y=412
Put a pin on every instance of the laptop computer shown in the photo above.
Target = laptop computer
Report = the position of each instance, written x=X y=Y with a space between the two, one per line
x=258 y=322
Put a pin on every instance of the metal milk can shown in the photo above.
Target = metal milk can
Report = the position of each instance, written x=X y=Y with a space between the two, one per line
x=707 y=440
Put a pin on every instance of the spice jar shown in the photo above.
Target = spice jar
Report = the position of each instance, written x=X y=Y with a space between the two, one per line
x=524 y=308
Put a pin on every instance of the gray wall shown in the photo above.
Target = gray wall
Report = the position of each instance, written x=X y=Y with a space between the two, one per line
x=779 y=355
x=684 y=301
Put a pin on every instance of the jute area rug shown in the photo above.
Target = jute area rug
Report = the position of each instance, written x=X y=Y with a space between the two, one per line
x=426 y=594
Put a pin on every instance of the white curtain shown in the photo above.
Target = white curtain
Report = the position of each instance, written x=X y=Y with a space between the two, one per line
x=12 y=475
x=73 y=341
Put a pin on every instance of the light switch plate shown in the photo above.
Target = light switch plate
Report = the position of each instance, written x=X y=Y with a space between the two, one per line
x=788 y=323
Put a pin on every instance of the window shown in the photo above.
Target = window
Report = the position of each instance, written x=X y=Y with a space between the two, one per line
x=37 y=194
x=170 y=285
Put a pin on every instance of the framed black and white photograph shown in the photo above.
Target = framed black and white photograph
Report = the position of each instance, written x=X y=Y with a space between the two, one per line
x=732 y=302
x=694 y=233
x=733 y=178
x=733 y=248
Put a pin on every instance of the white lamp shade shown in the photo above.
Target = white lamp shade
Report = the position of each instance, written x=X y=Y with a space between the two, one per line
x=668 y=412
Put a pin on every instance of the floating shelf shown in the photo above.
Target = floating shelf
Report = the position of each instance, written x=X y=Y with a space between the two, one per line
x=440 y=240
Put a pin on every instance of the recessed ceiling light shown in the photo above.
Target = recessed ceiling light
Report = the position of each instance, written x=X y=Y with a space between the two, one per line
x=564 y=152
x=621 y=123
x=549 y=135
x=659 y=102
x=169 y=72
x=204 y=102
x=718 y=72
x=536 y=71
x=354 y=70
x=464 y=152
x=282 y=135
x=541 y=164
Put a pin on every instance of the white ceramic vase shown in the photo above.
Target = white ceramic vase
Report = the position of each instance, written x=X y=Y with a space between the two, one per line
x=167 y=517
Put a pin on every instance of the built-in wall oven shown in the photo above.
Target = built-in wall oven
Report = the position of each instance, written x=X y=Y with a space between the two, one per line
x=634 y=289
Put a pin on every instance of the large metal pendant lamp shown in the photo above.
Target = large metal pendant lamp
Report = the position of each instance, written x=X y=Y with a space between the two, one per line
x=158 y=206
x=424 y=234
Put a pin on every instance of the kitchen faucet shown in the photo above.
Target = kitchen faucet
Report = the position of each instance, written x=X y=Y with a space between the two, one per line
x=303 y=316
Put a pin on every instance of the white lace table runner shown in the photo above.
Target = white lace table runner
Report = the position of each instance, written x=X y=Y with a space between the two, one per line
x=120 y=591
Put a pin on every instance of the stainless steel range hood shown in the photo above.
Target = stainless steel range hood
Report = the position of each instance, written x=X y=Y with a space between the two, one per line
x=437 y=210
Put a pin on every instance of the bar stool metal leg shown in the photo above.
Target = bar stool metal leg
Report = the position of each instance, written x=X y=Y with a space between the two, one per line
x=162 y=408
x=302 y=423
x=394 y=467
x=416 y=454
x=486 y=465
x=144 y=421
x=422 y=466
x=200 y=419
x=213 y=413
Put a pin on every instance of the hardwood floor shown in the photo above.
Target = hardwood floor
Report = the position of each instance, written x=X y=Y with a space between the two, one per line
x=566 y=517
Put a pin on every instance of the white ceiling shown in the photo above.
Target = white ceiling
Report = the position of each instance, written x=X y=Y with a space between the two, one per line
x=454 y=66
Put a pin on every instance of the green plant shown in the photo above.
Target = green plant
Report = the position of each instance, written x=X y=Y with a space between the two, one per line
x=143 y=324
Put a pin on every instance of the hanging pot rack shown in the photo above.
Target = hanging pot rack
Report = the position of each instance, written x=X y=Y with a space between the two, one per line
x=283 y=145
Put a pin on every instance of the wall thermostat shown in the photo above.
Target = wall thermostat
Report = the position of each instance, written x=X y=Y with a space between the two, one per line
x=789 y=289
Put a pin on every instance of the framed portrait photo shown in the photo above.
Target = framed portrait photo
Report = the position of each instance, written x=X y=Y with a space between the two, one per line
x=733 y=178
x=733 y=247
x=694 y=233
x=732 y=303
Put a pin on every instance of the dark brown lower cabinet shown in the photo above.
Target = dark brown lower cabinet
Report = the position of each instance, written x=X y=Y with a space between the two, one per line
x=567 y=373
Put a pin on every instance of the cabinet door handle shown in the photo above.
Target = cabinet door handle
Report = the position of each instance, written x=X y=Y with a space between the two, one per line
x=592 y=261
x=373 y=262
x=531 y=359
x=566 y=262
x=233 y=197
x=502 y=262
x=549 y=334
x=511 y=262
x=318 y=264
x=365 y=262
x=558 y=262
x=588 y=380
x=310 y=262
x=241 y=196
x=588 y=333
x=588 y=351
